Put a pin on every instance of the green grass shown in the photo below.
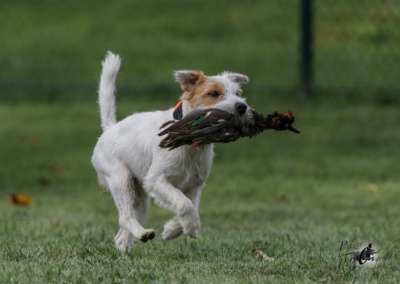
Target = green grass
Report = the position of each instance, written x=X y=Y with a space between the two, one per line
x=293 y=197
x=52 y=49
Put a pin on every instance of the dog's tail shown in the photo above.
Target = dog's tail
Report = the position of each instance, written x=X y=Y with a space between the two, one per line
x=111 y=65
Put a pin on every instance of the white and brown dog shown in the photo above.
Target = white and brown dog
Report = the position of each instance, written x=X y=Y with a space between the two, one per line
x=132 y=166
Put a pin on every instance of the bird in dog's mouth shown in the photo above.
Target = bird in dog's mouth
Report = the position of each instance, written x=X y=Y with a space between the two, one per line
x=205 y=126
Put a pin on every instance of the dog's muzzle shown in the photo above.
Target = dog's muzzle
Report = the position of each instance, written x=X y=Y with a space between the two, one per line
x=240 y=108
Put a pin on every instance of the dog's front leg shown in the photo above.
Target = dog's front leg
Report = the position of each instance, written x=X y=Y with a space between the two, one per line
x=168 y=196
x=173 y=228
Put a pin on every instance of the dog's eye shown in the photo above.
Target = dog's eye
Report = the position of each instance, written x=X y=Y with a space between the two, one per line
x=239 y=93
x=214 y=94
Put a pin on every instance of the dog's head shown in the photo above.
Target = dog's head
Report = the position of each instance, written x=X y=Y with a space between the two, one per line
x=222 y=91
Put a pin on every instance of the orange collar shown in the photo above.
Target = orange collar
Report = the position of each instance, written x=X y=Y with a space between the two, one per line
x=177 y=112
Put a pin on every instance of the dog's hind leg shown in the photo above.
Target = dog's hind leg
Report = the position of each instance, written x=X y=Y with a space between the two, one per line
x=131 y=208
x=141 y=202
x=124 y=239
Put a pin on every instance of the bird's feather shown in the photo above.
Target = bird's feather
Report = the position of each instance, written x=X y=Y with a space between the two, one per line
x=205 y=126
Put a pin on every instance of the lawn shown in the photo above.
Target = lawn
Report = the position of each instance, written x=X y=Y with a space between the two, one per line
x=293 y=197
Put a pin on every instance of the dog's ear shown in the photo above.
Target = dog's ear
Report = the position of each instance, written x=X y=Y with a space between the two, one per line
x=188 y=78
x=238 y=78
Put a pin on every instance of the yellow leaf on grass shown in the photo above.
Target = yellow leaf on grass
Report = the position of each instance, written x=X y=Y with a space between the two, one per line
x=261 y=255
x=372 y=187
x=20 y=199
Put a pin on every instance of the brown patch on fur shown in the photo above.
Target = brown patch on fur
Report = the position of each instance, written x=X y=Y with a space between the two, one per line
x=191 y=80
x=200 y=93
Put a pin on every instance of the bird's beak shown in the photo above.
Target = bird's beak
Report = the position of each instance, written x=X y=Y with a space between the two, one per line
x=294 y=129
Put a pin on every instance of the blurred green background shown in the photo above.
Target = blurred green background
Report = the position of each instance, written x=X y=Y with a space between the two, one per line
x=52 y=49
x=295 y=198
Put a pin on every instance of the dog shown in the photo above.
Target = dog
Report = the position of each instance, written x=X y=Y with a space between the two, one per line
x=130 y=164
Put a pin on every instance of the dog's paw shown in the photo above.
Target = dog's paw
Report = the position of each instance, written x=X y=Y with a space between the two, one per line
x=192 y=230
x=172 y=230
x=148 y=234
x=123 y=240
x=191 y=226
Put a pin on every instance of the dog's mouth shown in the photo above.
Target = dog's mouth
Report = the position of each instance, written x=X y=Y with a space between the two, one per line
x=247 y=120
x=247 y=117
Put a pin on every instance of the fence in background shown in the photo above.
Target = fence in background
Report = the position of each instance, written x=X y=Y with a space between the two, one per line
x=307 y=47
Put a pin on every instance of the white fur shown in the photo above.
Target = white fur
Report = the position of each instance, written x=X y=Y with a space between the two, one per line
x=131 y=165
x=109 y=74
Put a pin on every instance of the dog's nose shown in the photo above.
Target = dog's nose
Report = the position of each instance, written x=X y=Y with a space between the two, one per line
x=240 y=108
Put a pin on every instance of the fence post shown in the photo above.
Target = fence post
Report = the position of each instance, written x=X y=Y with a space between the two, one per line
x=306 y=48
